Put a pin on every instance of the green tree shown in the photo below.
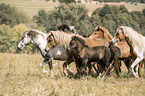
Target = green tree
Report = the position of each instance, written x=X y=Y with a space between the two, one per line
x=143 y=11
x=123 y=9
x=105 y=10
x=67 y=1
x=71 y=14
x=41 y=18
x=10 y=16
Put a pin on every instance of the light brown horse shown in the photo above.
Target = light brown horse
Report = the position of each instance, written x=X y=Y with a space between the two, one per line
x=135 y=42
x=127 y=53
x=63 y=38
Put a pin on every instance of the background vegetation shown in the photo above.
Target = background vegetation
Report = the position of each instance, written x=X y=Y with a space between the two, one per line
x=14 y=22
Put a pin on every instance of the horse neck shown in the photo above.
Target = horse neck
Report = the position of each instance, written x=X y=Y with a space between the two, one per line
x=109 y=37
x=63 y=38
x=40 y=42
x=80 y=46
x=133 y=53
x=135 y=38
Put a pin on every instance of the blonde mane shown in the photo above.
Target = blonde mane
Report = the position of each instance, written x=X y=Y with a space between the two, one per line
x=62 y=38
x=106 y=33
x=136 y=38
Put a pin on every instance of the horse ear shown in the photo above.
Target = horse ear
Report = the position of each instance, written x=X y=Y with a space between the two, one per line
x=120 y=27
x=74 y=37
x=99 y=28
x=32 y=33
x=52 y=35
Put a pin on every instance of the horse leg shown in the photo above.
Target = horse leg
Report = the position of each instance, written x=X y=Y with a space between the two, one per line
x=90 y=68
x=94 y=63
x=51 y=68
x=42 y=66
x=107 y=69
x=128 y=63
x=116 y=64
x=66 y=72
x=137 y=60
x=84 y=67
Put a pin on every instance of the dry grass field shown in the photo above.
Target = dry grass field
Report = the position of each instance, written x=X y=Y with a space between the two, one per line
x=21 y=75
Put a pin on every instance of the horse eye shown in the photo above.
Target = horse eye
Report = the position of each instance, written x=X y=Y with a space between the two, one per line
x=117 y=34
x=96 y=33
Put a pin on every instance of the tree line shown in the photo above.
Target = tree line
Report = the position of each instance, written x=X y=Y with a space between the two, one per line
x=109 y=16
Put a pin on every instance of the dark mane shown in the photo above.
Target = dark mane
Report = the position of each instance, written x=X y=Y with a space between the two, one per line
x=81 y=40
x=66 y=28
x=32 y=34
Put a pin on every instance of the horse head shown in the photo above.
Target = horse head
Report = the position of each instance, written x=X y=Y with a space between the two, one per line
x=101 y=32
x=37 y=38
x=25 y=40
x=77 y=43
x=119 y=34
x=51 y=42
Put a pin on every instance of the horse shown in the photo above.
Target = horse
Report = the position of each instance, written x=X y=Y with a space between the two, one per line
x=101 y=54
x=135 y=42
x=101 y=32
x=63 y=38
x=66 y=28
x=38 y=39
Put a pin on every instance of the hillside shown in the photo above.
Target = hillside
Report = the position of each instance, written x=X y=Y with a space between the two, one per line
x=31 y=7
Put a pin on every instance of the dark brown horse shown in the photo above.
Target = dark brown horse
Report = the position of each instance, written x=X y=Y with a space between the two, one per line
x=101 y=54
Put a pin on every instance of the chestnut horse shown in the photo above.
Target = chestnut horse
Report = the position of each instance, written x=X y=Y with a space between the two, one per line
x=101 y=32
x=135 y=42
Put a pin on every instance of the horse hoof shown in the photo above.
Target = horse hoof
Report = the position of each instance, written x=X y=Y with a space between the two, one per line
x=136 y=75
x=41 y=64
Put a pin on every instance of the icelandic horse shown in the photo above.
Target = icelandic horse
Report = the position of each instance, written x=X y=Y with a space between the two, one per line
x=135 y=42
x=101 y=32
x=59 y=37
x=99 y=54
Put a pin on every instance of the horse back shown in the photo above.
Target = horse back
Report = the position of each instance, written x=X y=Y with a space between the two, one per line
x=96 y=42
x=96 y=53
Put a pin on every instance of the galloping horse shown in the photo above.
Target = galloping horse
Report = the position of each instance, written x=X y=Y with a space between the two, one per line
x=101 y=32
x=63 y=38
x=101 y=54
x=135 y=42
x=38 y=39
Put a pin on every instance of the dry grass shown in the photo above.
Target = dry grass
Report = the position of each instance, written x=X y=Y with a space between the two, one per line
x=21 y=75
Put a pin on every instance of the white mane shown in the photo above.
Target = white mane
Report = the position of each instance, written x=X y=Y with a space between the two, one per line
x=136 y=38
x=62 y=37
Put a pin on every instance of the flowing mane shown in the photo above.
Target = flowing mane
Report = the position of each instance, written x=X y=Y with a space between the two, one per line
x=136 y=38
x=62 y=38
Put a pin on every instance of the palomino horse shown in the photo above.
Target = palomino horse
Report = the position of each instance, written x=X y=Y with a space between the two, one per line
x=101 y=54
x=101 y=32
x=38 y=39
x=135 y=42
x=63 y=38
